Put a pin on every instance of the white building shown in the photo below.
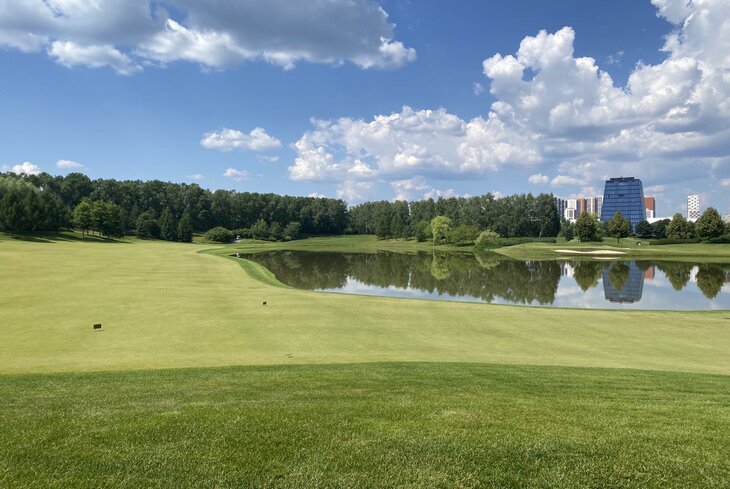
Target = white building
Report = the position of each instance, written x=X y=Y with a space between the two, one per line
x=693 y=207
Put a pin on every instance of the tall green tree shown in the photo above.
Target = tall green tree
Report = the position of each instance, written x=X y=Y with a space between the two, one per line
x=440 y=227
x=185 y=228
x=83 y=218
x=710 y=224
x=260 y=230
x=586 y=227
x=168 y=229
x=619 y=227
x=147 y=226
x=679 y=228
x=644 y=229
x=397 y=226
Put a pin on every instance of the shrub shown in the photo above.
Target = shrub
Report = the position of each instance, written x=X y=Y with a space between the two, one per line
x=724 y=239
x=488 y=239
x=463 y=234
x=422 y=231
x=219 y=235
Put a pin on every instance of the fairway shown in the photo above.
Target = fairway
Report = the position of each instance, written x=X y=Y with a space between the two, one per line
x=193 y=381
x=167 y=305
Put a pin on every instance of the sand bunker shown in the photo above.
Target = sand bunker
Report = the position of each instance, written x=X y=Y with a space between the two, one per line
x=595 y=252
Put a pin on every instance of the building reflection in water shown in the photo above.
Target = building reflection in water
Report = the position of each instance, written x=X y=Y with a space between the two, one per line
x=624 y=281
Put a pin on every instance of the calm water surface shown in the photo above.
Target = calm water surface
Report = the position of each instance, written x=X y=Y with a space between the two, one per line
x=636 y=284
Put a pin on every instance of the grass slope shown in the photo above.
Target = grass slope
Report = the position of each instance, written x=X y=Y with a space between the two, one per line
x=378 y=425
x=166 y=305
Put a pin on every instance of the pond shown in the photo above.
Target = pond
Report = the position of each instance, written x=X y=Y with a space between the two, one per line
x=635 y=284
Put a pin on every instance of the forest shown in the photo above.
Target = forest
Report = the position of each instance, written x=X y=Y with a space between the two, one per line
x=173 y=211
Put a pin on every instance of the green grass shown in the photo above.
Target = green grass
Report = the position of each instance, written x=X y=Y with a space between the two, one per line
x=696 y=252
x=166 y=305
x=194 y=383
x=378 y=425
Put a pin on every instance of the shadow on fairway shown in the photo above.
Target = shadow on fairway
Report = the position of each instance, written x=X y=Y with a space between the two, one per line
x=63 y=237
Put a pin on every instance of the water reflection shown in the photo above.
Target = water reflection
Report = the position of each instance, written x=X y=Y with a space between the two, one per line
x=492 y=278
x=623 y=282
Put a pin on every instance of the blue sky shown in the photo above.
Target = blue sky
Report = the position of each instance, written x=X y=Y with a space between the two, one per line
x=373 y=100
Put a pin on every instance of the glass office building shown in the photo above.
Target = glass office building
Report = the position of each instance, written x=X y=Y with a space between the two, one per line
x=624 y=195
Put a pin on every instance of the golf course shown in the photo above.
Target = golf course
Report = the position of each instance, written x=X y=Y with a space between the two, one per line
x=193 y=381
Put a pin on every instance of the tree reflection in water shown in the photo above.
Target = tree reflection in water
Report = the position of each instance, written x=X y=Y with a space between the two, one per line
x=489 y=277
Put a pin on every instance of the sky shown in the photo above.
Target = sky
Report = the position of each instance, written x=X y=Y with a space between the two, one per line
x=373 y=99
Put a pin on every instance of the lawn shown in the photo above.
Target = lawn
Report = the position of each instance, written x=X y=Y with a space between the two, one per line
x=167 y=305
x=194 y=382
x=377 y=425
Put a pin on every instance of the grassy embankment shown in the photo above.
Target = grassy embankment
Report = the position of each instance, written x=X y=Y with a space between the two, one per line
x=629 y=247
x=349 y=423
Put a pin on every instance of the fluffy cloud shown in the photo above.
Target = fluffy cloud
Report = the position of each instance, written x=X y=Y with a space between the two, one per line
x=26 y=168
x=561 y=180
x=555 y=113
x=196 y=177
x=70 y=54
x=127 y=34
x=352 y=191
x=229 y=139
x=237 y=175
x=412 y=141
x=538 y=179
x=68 y=165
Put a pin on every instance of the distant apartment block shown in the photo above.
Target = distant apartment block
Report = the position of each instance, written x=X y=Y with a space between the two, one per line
x=571 y=209
x=624 y=195
x=650 y=206
x=693 y=207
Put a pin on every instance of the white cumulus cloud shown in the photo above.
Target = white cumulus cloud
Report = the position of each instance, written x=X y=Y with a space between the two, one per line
x=129 y=34
x=229 y=139
x=407 y=142
x=26 y=168
x=538 y=179
x=70 y=54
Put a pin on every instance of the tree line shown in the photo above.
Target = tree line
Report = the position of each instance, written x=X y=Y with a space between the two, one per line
x=521 y=215
x=587 y=228
x=156 y=209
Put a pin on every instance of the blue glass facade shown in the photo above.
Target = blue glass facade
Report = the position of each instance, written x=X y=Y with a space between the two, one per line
x=624 y=195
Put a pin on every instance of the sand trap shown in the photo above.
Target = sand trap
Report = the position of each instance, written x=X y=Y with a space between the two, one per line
x=595 y=252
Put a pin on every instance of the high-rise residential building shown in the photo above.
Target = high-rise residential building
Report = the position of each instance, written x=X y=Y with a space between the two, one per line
x=560 y=206
x=571 y=209
x=650 y=205
x=582 y=206
x=624 y=195
x=693 y=207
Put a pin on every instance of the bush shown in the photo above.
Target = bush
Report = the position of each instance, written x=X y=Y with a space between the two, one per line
x=724 y=239
x=219 y=235
x=488 y=239
x=422 y=231
x=463 y=234
x=292 y=231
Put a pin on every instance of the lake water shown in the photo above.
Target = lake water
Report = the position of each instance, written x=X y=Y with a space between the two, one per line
x=586 y=283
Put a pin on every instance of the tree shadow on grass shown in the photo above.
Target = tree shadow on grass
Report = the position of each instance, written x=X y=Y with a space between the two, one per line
x=60 y=238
